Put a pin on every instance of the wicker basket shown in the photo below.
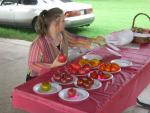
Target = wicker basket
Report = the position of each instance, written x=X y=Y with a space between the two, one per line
x=141 y=35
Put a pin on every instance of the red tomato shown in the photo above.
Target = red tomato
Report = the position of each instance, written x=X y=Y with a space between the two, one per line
x=73 y=71
x=94 y=75
x=86 y=85
x=80 y=82
x=75 y=66
x=90 y=81
x=63 y=80
x=72 y=92
x=57 y=77
x=104 y=76
x=87 y=68
x=69 y=78
x=62 y=58
x=82 y=71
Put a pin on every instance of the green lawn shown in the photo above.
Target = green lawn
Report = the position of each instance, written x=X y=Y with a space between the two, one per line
x=111 y=15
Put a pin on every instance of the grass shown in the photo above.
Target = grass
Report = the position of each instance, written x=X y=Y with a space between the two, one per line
x=111 y=15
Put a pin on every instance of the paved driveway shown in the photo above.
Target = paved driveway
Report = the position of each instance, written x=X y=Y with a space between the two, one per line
x=13 y=68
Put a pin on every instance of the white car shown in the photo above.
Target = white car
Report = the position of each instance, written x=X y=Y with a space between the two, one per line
x=24 y=12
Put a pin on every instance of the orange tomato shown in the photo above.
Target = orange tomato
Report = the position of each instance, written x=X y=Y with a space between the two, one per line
x=102 y=68
x=107 y=68
x=108 y=64
x=114 y=67
x=101 y=64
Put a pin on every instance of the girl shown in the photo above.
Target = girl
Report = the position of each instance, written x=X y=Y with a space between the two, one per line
x=52 y=40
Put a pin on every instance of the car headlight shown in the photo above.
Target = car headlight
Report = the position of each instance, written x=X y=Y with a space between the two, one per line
x=89 y=11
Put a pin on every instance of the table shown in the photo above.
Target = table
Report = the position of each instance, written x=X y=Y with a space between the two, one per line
x=113 y=97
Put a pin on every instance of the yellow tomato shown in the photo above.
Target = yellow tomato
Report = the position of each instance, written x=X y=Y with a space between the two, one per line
x=94 y=62
x=45 y=86
x=82 y=62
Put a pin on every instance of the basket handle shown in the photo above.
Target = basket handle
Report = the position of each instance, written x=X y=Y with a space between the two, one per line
x=133 y=23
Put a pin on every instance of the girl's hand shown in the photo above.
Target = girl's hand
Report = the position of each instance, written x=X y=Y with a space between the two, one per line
x=56 y=63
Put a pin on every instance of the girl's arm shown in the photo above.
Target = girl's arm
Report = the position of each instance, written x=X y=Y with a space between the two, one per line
x=34 y=60
x=80 y=41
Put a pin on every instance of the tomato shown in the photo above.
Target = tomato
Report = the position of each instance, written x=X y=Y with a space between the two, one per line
x=72 y=92
x=63 y=80
x=107 y=68
x=90 y=81
x=113 y=69
x=94 y=75
x=71 y=70
x=57 y=77
x=82 y=71
x=45 y=86
x=62 y=58
x=104 y=76
x=83 y=62
x=102 y=64
x=102 y=68
x=76 y=66
x=87 y=68
x=86 y=85
x=115 y=65
x=80 y=82
x=69 y=78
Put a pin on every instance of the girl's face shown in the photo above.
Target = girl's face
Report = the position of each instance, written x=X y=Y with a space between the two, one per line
x=52 y=28
x=61 y=23
x=57 y=25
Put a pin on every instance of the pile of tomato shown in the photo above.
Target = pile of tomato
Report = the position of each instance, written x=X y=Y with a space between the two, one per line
x=109 y=67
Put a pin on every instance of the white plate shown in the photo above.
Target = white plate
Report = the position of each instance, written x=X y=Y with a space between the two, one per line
x=97 y=84
x=81 y=95
x=55 y=88
x=111 y=77
x=122 y=62
x=71 y=82
x=92 y=56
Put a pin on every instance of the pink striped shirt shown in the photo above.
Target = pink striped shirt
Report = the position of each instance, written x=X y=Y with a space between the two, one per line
x=43 y=52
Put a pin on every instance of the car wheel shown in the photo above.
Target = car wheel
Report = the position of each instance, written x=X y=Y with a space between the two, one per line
x=34 y=24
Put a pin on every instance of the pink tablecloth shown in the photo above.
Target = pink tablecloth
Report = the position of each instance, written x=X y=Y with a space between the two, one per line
x=113 y=97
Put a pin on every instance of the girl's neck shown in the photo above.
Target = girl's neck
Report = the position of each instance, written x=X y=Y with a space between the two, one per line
x=55 y=37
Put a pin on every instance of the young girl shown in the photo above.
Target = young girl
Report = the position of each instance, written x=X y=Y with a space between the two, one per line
x=52 y=40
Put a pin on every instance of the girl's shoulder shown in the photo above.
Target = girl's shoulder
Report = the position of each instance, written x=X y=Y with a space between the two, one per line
x=36 y=41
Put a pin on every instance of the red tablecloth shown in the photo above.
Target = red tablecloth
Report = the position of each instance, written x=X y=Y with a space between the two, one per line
x=113 y=97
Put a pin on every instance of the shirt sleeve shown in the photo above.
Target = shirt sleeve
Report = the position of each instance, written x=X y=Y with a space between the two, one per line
x=34 y=60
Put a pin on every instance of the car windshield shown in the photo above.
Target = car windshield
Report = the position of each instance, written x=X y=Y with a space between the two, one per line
x=66 y=0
